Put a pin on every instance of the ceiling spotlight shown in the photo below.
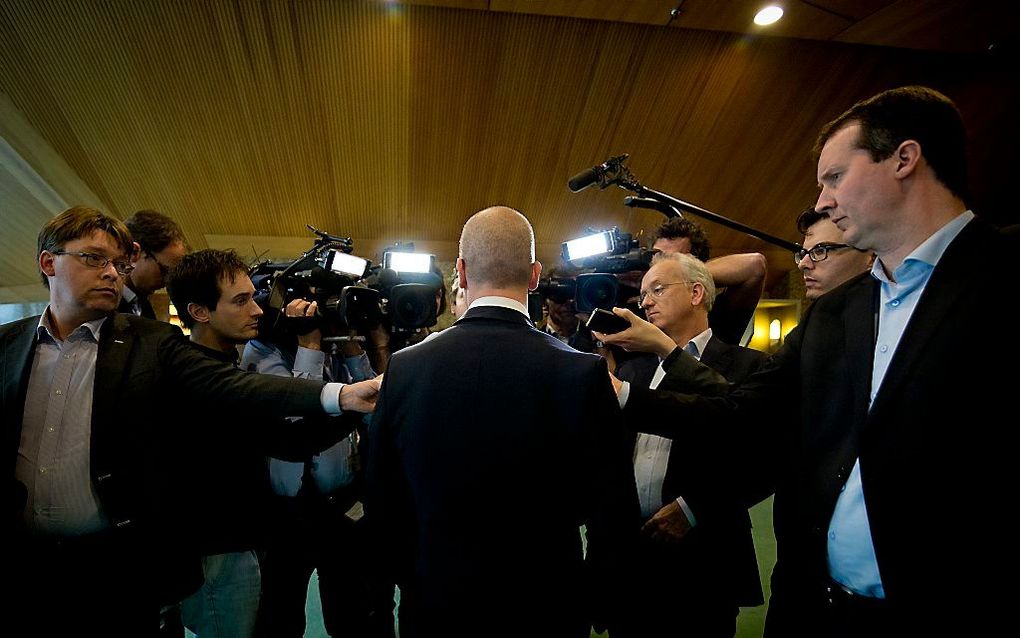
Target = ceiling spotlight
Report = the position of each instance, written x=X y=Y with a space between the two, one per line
x=768 y=15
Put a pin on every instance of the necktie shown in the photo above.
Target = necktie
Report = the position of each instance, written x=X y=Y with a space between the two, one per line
x=692 y=349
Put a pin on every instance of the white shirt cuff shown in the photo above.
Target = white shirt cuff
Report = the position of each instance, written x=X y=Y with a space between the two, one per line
x=687 y=511
x=623 y=394
x=330 y=398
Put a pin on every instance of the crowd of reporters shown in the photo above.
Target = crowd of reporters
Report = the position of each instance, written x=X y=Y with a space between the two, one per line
x=157 y=473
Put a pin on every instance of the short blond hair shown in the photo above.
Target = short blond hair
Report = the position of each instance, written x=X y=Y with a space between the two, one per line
x=694 y=271
x=498 y=247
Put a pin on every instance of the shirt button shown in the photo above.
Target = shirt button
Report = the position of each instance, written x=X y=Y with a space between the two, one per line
x=649 y=456
x=884 y=349
x=832 y=535
x=67 y=356
x=59 y=392
x=50 y=429
x=42 y=470
x=895 y=303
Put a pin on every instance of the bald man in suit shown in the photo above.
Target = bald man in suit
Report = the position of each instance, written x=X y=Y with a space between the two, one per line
x=478 y=502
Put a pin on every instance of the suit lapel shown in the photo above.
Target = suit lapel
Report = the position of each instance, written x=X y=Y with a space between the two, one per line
x=949 y=284
x=859 y=341
x=116 y=340
x=718 y=356
x=16 y=353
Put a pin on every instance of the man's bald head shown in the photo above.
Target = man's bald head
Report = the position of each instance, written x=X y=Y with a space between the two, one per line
x=498 y=249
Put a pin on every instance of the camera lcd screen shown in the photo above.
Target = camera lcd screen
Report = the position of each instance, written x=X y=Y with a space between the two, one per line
x=348 y=264
x=408 y=262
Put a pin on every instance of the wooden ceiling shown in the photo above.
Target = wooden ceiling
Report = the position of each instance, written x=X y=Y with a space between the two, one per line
x=393 y=121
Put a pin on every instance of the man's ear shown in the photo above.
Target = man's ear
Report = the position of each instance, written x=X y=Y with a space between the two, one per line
x=136 y=252
x=462 y=280
x=536 y=275
x=46 y=263
x=697 y=294
x=907 y=157
x=198 y=312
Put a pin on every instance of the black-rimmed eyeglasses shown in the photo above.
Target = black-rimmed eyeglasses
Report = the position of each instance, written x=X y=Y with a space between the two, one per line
x=92 y=260
x=818 y=252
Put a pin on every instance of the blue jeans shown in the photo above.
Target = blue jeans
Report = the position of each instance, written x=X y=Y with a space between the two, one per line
x=228 y=601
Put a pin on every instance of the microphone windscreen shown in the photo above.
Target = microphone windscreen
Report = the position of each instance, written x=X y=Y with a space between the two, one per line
x=583 y=179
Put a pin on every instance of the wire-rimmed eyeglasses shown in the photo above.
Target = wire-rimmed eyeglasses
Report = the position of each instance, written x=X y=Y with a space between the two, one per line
x=657 y=291
x=92 y=260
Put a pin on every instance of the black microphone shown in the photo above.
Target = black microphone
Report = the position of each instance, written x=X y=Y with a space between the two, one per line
x=584 y=179
x=596 y=174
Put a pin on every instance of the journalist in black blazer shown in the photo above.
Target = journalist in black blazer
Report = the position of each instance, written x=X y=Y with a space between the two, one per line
x=136 y=442
x=492 y=444
x=707 y=573
x=928 y=434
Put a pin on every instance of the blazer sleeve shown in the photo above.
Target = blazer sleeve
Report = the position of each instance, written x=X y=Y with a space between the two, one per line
x=725 y=427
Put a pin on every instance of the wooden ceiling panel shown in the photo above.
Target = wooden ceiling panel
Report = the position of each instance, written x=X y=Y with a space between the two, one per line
x=801 y=20
x=852 y=9
x=941 y=25
x=634 y=11
x=390 y=123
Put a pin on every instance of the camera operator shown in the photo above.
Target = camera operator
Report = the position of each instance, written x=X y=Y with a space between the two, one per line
x=739 y=278
x=317 y=507
x=384 y=339
x=227 y=484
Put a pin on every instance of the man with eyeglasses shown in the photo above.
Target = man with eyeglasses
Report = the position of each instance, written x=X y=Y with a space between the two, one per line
x=92 y=526
x=892 y=460
x=158 y=245
x=739 y=278
x=826 y=261
x=695 y=555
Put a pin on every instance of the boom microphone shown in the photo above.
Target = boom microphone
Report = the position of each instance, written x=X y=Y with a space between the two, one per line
x=597 y=174
x=583 y=179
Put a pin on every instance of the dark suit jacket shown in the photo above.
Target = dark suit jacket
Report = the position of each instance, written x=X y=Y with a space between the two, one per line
x=139 y=443
x=931 y=447
x=491 y=444
x=718 y=553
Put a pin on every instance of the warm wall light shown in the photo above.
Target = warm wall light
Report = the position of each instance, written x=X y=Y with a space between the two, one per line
x=768 y=15
x=175 y=320
x=775 y=330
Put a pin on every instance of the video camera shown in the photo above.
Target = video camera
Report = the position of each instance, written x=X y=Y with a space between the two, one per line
x=350 y=292
x=603 y=255
x=408 y=284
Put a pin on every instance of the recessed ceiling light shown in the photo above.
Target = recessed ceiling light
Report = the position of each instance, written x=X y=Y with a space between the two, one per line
x=768 y=15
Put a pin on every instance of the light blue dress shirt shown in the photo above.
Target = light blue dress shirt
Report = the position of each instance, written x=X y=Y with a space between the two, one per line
x=851 y=552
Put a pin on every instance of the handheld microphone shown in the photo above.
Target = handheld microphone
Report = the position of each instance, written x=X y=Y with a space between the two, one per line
x=597 y=174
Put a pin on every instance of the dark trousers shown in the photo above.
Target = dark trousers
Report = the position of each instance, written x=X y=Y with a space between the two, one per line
x=310 y=533
x=827 y=611
x=96 y=585
x=663 y=593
